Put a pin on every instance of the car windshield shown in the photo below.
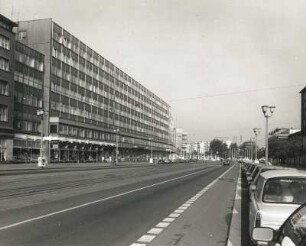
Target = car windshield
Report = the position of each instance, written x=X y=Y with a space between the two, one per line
x=285 y=190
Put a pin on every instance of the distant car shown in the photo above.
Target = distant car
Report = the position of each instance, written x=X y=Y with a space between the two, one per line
x=226 y=162
x=291 y=233
x=164 y=161
x=276 y=195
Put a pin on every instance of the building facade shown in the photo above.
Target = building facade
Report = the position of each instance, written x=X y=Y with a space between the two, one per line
x=91 y=106
x=28 y=99
x=7 y=47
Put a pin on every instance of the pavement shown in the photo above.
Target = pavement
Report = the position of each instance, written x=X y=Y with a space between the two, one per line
x=25 y=166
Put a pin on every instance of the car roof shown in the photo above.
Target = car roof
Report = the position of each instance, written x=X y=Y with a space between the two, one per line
x=283 y=173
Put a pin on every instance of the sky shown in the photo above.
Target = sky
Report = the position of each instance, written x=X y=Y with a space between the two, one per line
x=216 y=62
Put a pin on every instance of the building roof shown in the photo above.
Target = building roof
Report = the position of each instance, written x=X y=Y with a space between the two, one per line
x=304 y=90
x=7 y=21
x=283 y=173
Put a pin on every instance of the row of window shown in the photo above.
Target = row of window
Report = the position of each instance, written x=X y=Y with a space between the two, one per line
x=28 y=99
x=107 y=117
x=99 y=135
x=101 y=107
x=29 y=126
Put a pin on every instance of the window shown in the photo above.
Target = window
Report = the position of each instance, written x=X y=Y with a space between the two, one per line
x=4 y=64
x=22 y=35
x=4 y=42
x=285 y=190
x=3 y=88
x=3 y=113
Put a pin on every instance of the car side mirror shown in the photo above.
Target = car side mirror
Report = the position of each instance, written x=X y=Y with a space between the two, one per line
x=252 y=187
x=264 y=234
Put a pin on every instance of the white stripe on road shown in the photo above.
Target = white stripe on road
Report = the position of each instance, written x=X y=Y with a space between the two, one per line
x=168 y=219
x=97 y=201
x=146 y=238
x=155 y=231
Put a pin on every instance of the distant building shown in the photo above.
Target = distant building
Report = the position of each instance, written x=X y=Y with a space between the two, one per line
x=180 y=142
x=204 y=147
x=282 y=132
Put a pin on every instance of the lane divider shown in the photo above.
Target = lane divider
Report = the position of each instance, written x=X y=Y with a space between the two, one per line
x=99 y=200
x=234 y=237
x=157 y=229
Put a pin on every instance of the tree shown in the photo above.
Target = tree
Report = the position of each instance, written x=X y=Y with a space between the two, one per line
x=217 y=147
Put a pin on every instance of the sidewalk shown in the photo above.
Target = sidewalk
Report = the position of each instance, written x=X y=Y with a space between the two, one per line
x=29 y=166
x=203 y=220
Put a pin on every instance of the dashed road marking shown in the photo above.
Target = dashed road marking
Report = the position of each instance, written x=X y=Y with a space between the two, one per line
x=168 y=219
x=155 y=231
x=162 y=224
x=146 y=238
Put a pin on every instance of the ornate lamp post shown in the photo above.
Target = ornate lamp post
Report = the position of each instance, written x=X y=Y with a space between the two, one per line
x=268 y=112
x=117 y=143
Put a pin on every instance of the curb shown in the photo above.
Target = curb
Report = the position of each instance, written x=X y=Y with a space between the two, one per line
x=234 y=237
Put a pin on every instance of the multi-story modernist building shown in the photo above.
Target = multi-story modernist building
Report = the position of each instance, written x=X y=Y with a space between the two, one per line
x=90 y=105
x=7 y=46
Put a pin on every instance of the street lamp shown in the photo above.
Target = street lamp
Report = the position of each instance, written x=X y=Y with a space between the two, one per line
x=256 y=132
x=151 y=151
x=268 y=112
x=40 y=112
x=117 y=143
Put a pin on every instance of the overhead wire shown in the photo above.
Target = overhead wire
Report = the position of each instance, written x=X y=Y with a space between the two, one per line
x=235 y=93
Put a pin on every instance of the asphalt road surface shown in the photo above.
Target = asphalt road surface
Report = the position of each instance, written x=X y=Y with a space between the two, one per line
x=107 y=207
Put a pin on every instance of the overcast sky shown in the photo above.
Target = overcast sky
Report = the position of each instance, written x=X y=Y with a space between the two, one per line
x=215 y=61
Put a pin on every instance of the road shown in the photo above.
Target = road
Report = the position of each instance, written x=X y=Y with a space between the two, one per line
x=118 y=206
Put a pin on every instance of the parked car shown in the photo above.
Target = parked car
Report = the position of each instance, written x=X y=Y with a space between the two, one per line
x=276 y=195
x=291 y=233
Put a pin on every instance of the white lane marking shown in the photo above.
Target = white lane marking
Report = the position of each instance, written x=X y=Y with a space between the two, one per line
x=97 y=201
x=182 y=207
x=179 y=211
x=138 y=244
x=146 y=238
x=168 y=219
x=189 y=202
x=162 y=224
x=155 y=231
x=173 y=215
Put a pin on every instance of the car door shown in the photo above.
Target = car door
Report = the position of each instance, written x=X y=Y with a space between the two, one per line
x=255 y=198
